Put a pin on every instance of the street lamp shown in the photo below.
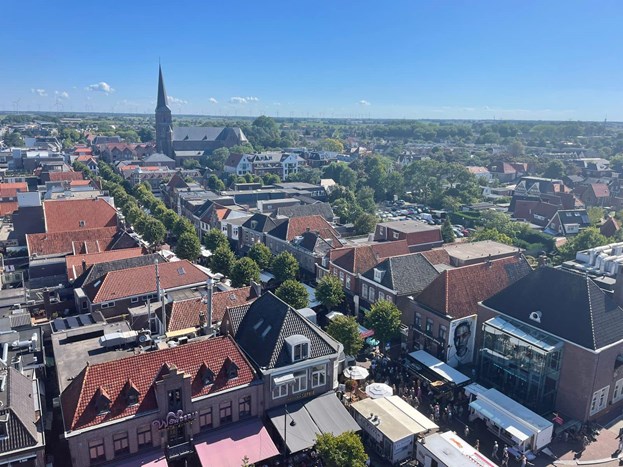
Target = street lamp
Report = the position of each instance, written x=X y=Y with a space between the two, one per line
x=280 y=381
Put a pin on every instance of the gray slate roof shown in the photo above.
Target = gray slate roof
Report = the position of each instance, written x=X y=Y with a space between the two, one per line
x=406 y=274
x=262 y=327
x=196 y=133
x=22 y=424
x=158 y=157
x=572 y=307
x=320 y=209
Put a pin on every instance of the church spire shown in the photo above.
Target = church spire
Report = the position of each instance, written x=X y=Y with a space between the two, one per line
x=162 y=93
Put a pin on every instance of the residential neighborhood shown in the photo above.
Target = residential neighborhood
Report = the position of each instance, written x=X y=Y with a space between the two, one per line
x=311 y=236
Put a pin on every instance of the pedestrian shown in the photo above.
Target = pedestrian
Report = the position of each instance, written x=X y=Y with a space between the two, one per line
x=504 y=461
x=584 y=442
x=477 y=445
x=505 y=451
x=620 y=444
x=494 y=452
x=523 y=460
x=466 y=432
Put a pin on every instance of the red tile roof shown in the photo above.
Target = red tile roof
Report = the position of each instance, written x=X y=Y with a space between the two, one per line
x=54 y=243
x=79 y=399
x=8 y=207
x=124 y=283
x=456 y=292
x=185 y=313
x=437 y=256
x=74 y=263
x=80 y=183
x=86 y=157
x=67 y=215
x=601 y=190
x=64 y=176
x=299 y=225
x=10 y=189
x=82 y=151
x=360 y=259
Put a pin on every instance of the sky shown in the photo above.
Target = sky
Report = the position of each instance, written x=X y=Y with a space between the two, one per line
x=437 y=59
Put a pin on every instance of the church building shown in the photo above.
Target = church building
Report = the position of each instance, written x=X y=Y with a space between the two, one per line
x=189 y=142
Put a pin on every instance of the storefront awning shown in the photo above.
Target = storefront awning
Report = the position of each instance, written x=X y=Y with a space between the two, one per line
x=228 y=446
x=489 y=411
x=445 y=371
x=306 y=420
x=365 y=333
x=148 y=459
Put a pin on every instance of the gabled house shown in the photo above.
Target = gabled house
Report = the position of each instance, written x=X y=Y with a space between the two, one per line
x=451 y=300
x=348 y=262
x=596 y=194
x=254 y=230
x=419 y=235
x=116 y=291
x=295 y=358
x=394 y=278
x=609 y=228
x=307 y=238
x=569 y=222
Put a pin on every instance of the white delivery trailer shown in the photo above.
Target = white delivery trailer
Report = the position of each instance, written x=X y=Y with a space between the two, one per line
x=512 y=422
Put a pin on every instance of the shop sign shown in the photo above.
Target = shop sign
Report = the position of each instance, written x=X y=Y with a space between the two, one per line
x=174 y=419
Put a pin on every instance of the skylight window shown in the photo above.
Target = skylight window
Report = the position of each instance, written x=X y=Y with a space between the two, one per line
x=266 y=331
x=181 y=271
x=258 y=324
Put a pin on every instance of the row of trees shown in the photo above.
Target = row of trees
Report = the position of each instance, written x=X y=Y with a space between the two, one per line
x=147 y=214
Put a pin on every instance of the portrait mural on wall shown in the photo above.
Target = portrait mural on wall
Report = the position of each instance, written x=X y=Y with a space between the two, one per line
x=462 y=341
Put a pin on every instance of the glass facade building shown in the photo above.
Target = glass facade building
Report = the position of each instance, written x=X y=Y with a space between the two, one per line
x=521 y=361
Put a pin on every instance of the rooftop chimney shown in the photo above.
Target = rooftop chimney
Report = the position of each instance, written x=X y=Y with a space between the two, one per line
x=208 y=301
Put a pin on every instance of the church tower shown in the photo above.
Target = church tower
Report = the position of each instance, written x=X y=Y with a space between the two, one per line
x=164 y=122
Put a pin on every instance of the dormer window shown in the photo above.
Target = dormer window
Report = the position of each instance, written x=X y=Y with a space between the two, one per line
x=378 y=275
x=102 y=401
x=231 y=369
x=253 y=224
x=298 y=346
x=4 y=425
x=206 y=374
x=301 y=352
x=131 y=393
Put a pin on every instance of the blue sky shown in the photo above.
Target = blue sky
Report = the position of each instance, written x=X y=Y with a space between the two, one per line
x=552 y=60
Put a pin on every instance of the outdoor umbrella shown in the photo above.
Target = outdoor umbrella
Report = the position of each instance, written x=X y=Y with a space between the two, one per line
x=379 y=390
x=356 y=372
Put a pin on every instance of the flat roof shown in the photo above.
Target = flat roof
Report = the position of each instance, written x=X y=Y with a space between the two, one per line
x=398 y=420
x=409 y=226
x=492 y=413
x=73 y=355
x=482 y=249
x=454 y=451
x=517 y=410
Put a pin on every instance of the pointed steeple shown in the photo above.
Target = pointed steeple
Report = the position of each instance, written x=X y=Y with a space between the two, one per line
x=162 y=93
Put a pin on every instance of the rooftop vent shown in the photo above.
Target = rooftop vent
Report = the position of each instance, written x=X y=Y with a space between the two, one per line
x=536 y=316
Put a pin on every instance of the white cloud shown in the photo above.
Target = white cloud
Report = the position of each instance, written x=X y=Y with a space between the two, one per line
x=213 y=100
x=277 y=104
x=176 y=101
x=102 y=86
x=40 y=92
x=364 y=102
x=243 y=100
x=61 y=94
